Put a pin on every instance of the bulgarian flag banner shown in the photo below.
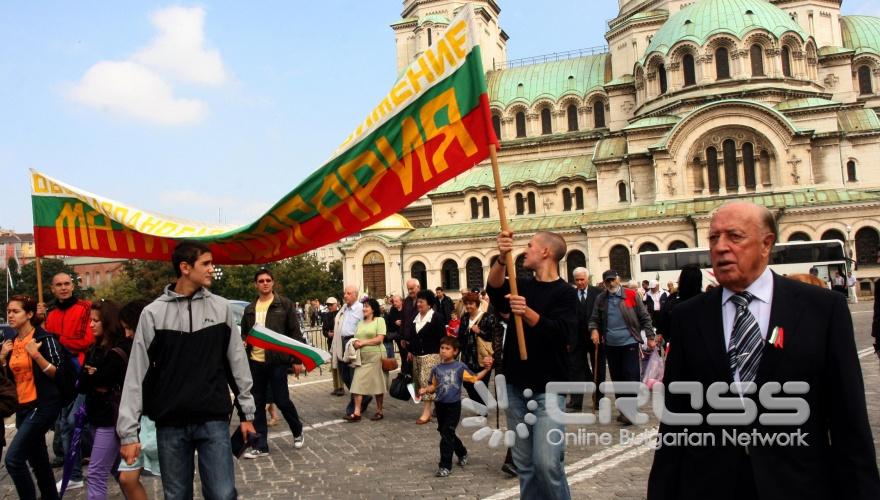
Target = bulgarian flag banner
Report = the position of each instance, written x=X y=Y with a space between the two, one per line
x=267 y=339
x=433 y=125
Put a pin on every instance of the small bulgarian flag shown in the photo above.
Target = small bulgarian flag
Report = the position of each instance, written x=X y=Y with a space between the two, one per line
x=270 y=340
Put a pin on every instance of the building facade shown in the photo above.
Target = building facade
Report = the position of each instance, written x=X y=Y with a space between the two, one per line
x=628 y=148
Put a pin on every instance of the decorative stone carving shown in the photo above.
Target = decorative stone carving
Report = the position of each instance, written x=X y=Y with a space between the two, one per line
x=831 y=80
x=627 y=106
x=794 y=161
x=674 y=66
x=451 y=212
x=670 y=180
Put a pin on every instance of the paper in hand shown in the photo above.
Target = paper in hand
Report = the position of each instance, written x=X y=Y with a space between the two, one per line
x=412 y=392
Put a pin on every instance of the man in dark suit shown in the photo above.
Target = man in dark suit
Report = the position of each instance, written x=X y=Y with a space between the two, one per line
x=760 y=327
x=581 y=349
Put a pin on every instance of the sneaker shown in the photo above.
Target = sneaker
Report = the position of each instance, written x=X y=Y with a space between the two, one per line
x=442 y=472
x=463 y=460
x=509 y=469
x=71 y=485
x=298 y=441
x=252 y=454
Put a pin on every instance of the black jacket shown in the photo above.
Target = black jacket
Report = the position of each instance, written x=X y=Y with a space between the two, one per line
x=445 y=306
x=51 y=349
x=818 y=348
x=104 y=389
x=281 y=318
x=875 y=327
x=581 y=335
x=392 y=330
x=427 y=340
x=468 y=340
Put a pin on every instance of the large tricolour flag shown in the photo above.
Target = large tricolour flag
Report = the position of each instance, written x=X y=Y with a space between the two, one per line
x=433 y=125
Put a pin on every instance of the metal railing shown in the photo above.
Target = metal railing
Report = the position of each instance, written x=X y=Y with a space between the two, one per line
x=554 y=56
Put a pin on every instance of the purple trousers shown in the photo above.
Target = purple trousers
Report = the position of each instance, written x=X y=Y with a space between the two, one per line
x=105 y=457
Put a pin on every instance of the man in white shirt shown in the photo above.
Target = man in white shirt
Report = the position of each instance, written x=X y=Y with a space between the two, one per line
x=852 y=286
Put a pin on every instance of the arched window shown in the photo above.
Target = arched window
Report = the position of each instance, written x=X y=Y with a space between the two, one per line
x=722 y=64
x=731 y=181
x=374 y=274
x=521 y=124
x=618 y=258
x=473 y=271
x=496 y=125
x=449 y=275
x=786 y=61
x=566 y=199
x=546 y=124
x=748 y=152
x=866 y=87
x=765 y=167
x=485 y=206
x=579 y=198
x=621 y=191
x=867 y=241
x=574 y=260
x=833 y=234
x=520 y=204
x=661 y=76
x=851 y=171
x=712 y=168
x=572 y=112
x=648 y=247
x=418 y=272
x=756 y=56
x=520 y=268
x=531 y=200
x=475 y=210
x=690 y=74
x=799 y=236
x=599 y=114
x=677 y=245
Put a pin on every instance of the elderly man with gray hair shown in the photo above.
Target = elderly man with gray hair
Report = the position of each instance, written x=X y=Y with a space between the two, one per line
x=347 y=319
x=581 y=349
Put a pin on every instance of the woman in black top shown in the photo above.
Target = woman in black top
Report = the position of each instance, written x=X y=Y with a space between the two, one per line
x=475 y=334
x=425 y=347
x=101 y=380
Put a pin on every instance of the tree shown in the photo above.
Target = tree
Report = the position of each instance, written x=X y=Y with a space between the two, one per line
x=235 y=282
x=150 y=276
x=27 y=284
x=304 y=277
x=121 y=289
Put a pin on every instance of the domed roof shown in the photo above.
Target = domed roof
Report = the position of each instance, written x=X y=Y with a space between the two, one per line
x=861 y=33
x=705 y=18
x=391 y=223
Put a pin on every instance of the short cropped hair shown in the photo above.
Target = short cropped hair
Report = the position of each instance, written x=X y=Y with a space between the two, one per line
x=187 y=251
x=451 y=342
x=262 y=272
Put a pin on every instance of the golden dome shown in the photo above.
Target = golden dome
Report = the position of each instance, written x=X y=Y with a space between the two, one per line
x=392 y=222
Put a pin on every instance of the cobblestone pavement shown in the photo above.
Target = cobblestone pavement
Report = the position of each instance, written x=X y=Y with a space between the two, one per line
x=394 y=458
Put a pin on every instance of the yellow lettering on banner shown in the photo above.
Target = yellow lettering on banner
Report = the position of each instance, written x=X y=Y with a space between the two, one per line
x=399 y=93
x=412 y=143
x=39 y=183
x=440 y=56
x=362 y=192
x=149 y=225
x=106 y=227
x=129 y=239
x=282 y=217
x=424 y=72
x=70 y=217
x=150 y=243
x=457 y=36
x=455 y=130
x=331 y=184
x=167 y=228
x=381 y=110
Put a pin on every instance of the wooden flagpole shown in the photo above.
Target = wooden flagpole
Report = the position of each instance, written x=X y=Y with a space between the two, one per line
x=39 y=280
x=510 y=264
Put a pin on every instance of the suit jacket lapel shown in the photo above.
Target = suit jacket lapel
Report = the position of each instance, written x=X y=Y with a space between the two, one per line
x=783 y=314
x=712 y=331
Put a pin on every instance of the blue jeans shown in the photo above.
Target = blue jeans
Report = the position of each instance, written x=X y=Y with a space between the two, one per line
x=540 y=465
x=176 y=447
x=29 y=448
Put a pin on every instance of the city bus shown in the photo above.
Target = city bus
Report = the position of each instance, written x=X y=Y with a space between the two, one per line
x=793 y=257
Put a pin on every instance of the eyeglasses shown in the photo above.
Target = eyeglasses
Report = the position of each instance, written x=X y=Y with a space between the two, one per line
x=264 y=281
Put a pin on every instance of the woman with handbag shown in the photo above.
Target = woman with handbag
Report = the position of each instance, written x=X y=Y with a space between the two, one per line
x=475 y=333
x=369 y=379
x=32 y=359
x=101 y=380
x=430 y=327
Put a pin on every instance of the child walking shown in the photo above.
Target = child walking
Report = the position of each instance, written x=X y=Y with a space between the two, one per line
x=446 y=381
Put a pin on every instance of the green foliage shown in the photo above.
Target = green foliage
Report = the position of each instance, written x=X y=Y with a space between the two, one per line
x=298 y=278
x=149 y=276
x=122 y=289
x=236 y=282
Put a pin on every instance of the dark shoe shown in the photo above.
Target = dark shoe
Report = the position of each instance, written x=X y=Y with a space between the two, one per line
x=352 y=418
x=338 y=392
x=623 y=420
x=442 y=472
x=509 y=469
x=377 y=416
x=463 y=460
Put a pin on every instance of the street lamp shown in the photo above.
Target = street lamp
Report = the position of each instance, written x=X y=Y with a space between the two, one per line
x=218 y=273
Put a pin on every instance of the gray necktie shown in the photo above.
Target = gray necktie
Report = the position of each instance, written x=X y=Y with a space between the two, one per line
x=746 y=342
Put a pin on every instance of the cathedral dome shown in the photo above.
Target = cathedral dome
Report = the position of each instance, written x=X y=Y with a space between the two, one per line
x=700 y=21
x=861 y=33
x=394 y=222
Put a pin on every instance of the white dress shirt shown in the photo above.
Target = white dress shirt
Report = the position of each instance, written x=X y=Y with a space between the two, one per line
x=762 y=289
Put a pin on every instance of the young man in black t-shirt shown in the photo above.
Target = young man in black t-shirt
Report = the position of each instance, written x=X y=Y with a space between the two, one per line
x=547 y=306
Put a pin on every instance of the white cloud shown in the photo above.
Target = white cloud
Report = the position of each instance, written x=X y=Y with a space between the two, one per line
x=138 y=87
x=129 y=89
x=179 y=48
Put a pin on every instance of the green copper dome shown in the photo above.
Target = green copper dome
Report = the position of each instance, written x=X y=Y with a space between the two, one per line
x=705 y=18
x=861 y=33
x=552 y=80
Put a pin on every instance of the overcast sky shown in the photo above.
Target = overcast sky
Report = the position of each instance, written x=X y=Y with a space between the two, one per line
x=187 y=109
